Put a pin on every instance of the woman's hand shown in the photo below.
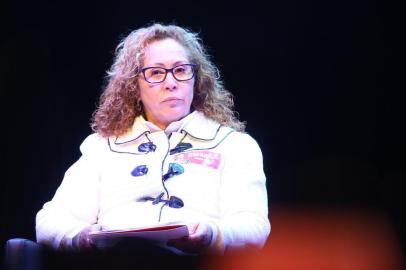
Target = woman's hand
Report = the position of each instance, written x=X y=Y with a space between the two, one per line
x=82 y=241
x=198 y=241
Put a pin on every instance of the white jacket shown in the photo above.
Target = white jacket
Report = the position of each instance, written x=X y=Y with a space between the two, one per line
x=223 y=184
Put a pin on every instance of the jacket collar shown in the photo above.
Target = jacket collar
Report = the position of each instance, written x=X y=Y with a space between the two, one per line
x=195 y=124
x=201 y=127
x=138 y=129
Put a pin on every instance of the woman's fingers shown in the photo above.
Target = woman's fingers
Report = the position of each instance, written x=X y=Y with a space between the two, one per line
x=200 y=235
x=82 y=241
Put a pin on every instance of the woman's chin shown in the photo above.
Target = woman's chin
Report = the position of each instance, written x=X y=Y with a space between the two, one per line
x=175 y=116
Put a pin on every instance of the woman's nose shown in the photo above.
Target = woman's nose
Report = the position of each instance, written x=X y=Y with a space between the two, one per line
x=170 y=82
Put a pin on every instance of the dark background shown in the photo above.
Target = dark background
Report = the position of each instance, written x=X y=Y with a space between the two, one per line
x=318 y=82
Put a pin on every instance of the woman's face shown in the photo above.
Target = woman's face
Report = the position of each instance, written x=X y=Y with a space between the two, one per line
x=170 y=100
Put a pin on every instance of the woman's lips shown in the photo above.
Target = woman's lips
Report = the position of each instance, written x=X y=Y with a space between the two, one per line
x=171 y=99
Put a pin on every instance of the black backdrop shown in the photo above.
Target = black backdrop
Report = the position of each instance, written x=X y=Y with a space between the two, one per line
x=318 y=82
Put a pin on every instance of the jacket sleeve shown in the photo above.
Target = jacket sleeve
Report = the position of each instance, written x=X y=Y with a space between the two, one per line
x=244 y=204
x=75 y=203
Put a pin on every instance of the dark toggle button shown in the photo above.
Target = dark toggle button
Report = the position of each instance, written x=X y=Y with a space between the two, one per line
x=173 y=202
x=140 y=170
x=158 y=199
x=180 y=147
x=147 y=147
x=174 y=169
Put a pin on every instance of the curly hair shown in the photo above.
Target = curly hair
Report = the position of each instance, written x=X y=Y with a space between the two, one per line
x=120 y=101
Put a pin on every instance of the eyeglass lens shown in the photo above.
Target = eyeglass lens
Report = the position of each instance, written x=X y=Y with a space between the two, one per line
x=158 y=74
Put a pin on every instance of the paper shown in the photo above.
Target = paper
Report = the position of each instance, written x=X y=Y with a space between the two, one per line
x=158 y=234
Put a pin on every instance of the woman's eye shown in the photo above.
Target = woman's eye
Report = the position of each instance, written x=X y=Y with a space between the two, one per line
x=180 y=70
x=155 y=72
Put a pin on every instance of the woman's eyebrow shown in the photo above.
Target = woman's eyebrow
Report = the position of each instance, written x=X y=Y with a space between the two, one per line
x=179 y=62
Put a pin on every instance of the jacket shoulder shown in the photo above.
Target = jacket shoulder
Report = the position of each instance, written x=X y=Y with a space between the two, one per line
x=94 y=144
x=243 y=138
x=243 y=143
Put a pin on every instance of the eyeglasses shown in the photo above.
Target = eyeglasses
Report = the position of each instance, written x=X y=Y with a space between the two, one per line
x=182 y=72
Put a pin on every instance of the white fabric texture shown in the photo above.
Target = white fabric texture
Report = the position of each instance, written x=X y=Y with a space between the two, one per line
x=223 y=184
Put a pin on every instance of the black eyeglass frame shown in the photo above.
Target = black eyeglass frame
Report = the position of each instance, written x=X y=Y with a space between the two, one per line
x=194 y=66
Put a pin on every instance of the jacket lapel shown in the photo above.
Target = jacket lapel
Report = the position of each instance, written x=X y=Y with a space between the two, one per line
x=204 y=133
x=136 y=136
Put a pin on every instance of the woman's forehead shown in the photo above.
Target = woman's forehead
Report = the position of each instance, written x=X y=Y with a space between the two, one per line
x=163 y=51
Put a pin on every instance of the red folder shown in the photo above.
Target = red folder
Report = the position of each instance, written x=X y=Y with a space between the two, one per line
x=159 y=234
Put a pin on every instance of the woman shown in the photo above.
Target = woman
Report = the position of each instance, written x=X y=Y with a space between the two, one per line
x=167 y=148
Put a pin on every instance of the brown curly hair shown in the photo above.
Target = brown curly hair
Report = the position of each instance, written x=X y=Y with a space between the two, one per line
x=120 y=101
